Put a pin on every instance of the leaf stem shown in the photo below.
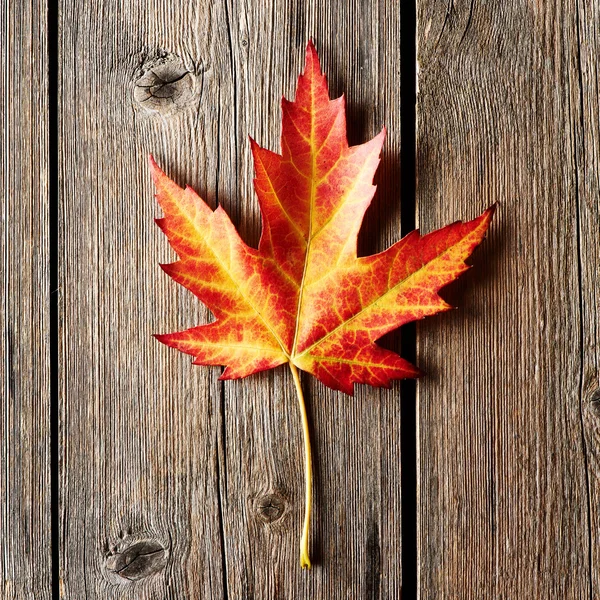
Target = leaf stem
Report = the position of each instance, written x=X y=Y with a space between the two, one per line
x=304 y=558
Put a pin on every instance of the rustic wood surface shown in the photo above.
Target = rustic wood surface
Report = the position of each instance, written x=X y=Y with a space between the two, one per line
x=588 y=235
x=508 y=416
x=174 y=485
x=25 y=560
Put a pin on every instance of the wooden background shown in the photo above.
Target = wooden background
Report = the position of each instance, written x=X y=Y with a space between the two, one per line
x=171 y=485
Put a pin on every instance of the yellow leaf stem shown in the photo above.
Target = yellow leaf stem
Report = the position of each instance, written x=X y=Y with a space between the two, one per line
x=304 y=558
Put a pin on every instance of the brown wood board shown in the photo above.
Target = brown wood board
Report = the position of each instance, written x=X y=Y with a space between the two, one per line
x=508 y=477
x=25 y=563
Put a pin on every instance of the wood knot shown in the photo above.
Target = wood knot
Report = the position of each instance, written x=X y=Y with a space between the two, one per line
x=164 y=84
x=270 y=507
x=139 y=560
x=594 y=403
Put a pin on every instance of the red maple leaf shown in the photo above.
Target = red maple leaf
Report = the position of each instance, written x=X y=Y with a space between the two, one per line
x=304 y=297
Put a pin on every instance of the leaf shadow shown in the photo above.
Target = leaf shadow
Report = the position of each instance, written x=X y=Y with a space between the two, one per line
x=470 y=294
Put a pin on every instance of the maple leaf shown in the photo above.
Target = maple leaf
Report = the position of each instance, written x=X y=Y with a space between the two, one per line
x=303 y=297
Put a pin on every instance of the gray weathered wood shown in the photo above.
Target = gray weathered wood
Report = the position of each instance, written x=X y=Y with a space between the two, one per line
x=25 y=563
x=508 y=112
x=586 y=122
x=157 y=453
x=138 y=431
x=356 y=533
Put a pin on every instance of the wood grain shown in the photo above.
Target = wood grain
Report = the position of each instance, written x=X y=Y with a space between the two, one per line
x=25 y=563
x=157 y=453
x=139 y=431
x=356 y=532
x=587 y=163
x=508 y=113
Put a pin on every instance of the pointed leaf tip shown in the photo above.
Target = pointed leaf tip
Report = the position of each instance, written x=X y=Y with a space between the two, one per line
x=155 y=171
x=312 y=61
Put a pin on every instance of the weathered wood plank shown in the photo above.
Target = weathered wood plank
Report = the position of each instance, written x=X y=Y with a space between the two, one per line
x=139 y=484
x=356 y=547
x=586 y=103
x=141 y=427
x=25 y=563
x=503 y=498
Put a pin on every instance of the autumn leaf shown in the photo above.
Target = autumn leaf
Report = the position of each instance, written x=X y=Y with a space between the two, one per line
x=303 y=297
